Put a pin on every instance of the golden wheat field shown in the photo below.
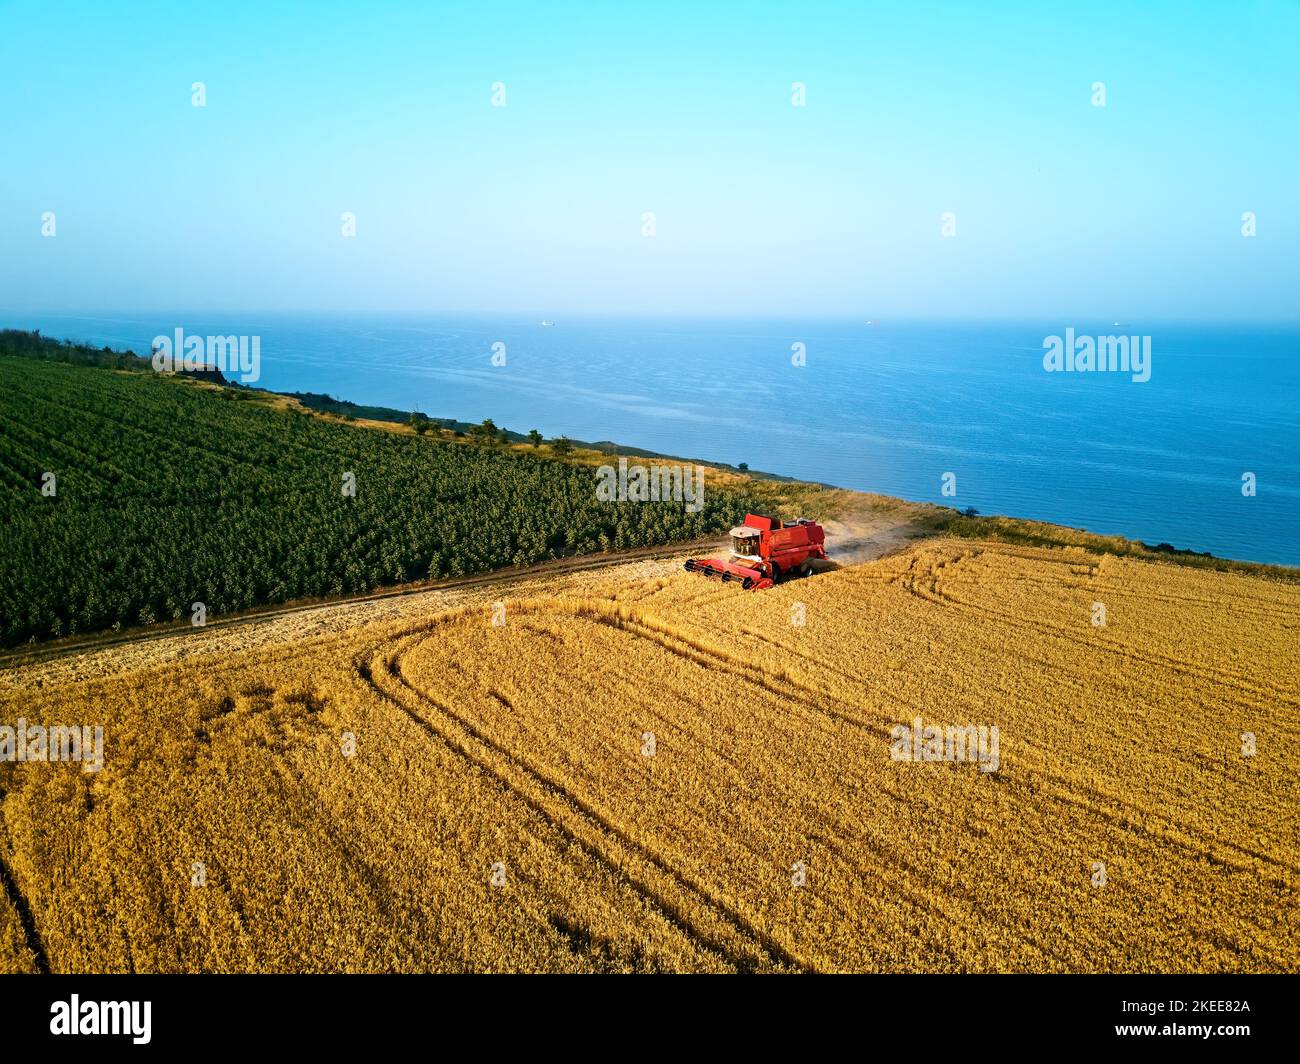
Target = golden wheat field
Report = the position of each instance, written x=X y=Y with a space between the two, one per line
x=648 y=771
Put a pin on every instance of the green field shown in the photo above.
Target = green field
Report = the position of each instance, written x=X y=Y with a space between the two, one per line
x=169 y=492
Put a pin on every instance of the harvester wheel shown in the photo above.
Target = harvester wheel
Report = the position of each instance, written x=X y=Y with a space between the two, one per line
x=776 y=573
x=805 y=569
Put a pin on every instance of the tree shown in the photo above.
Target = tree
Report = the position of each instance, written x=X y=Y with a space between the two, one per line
x=743 y=467
x=535 y=437
x=561 y=445
x=419 y=423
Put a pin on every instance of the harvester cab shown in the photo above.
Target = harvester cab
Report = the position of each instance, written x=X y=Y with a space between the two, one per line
x=764 y=550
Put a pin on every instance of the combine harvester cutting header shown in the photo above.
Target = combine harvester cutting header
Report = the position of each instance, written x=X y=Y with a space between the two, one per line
x=763 y=550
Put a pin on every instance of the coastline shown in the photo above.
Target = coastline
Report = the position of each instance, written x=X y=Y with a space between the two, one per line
x=951 y=520
x=819 y=499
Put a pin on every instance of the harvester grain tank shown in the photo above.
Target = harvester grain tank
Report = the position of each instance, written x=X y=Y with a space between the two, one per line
x=764 y=550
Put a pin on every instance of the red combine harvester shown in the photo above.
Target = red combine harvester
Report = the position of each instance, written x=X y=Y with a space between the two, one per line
x=763 y=550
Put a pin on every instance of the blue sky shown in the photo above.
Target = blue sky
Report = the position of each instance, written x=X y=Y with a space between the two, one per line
x=1128 y=211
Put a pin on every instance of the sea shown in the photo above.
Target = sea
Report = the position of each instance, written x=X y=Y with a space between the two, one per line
x=1203 y=454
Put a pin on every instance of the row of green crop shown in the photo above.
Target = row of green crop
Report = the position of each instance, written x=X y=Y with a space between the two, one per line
x=165 y=495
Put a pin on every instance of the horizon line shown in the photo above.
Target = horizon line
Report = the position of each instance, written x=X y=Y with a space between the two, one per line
x=107 y=314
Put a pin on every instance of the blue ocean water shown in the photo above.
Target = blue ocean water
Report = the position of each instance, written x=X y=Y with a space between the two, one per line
x=888 y=407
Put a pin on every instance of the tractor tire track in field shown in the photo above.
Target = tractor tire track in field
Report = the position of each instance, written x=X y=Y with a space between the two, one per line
x=25 y=918
x=904 y=872
x=1088 y=799
x=825 y=666
x=1119 y=813
x=1175 y=834
x=669 y=891
x=1224 y=677
x=387 y=664
x=924 y=584
x=1178 y=837
x=1092 y=799
x=780 y=684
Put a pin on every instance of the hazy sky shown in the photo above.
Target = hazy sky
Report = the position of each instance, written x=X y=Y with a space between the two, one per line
x=612 y=110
